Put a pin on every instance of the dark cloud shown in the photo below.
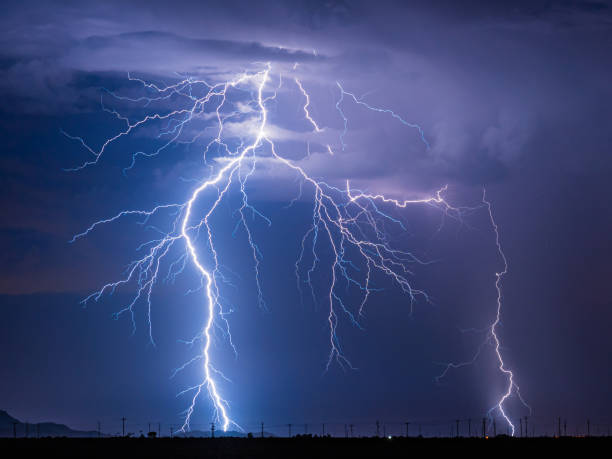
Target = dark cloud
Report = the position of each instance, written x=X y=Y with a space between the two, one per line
x=483 y=79
x=225 y=48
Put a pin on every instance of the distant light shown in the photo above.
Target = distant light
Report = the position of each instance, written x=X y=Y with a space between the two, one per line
x=389 y=437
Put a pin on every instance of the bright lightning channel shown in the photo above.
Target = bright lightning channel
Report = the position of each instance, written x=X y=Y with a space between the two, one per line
x=512 y=386
x=350 y=221
x=491 y=331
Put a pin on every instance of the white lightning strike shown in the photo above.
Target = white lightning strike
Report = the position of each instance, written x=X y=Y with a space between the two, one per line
x=351 y=222
x=306 y=112
x=209 y=381
x=492 y=331
x=512 y=386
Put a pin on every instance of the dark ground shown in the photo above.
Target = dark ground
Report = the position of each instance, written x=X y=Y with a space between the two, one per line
x=297 y=447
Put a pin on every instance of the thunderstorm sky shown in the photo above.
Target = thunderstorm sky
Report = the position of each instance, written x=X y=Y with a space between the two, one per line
x=514 y=96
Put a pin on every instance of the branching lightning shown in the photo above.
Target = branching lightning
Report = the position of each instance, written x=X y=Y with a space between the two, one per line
x=359 y=101
x=512 y=386
x=491 y=331
x=350 y=222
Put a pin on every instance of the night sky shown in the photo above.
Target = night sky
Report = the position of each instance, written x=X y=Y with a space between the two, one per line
x=512 y=96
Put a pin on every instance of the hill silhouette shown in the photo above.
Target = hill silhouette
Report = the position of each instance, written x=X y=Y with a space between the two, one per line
x=53 y=429
x=10 y=425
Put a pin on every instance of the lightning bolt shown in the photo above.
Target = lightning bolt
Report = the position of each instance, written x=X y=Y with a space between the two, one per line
x=512 y=387
x=348 y=221
x=359 y=101
x=306 y=112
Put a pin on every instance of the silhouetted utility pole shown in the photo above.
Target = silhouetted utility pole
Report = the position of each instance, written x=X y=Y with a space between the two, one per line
x=494 y=428
x=484 y=427
x=159 y=429
x=565 y=427
x=212 y=430
x=262 y=428
x=98 y=429
x=559 y=425
x=457 y=423
x=148 y=431
x=14 y=430
x=289 y=426
x=407 y=429
x=351 y=427
x=521 y=424
x=588 y=428
x=469 y=427
x=123 y=425
x=171 y=431
x=377 y=429
x=526 y=429
x=419 y=430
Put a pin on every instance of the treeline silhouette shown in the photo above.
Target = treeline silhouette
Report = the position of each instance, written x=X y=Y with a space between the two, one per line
x=477 y=427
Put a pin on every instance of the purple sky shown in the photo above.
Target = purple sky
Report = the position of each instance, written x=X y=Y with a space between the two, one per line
x=513 y=96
